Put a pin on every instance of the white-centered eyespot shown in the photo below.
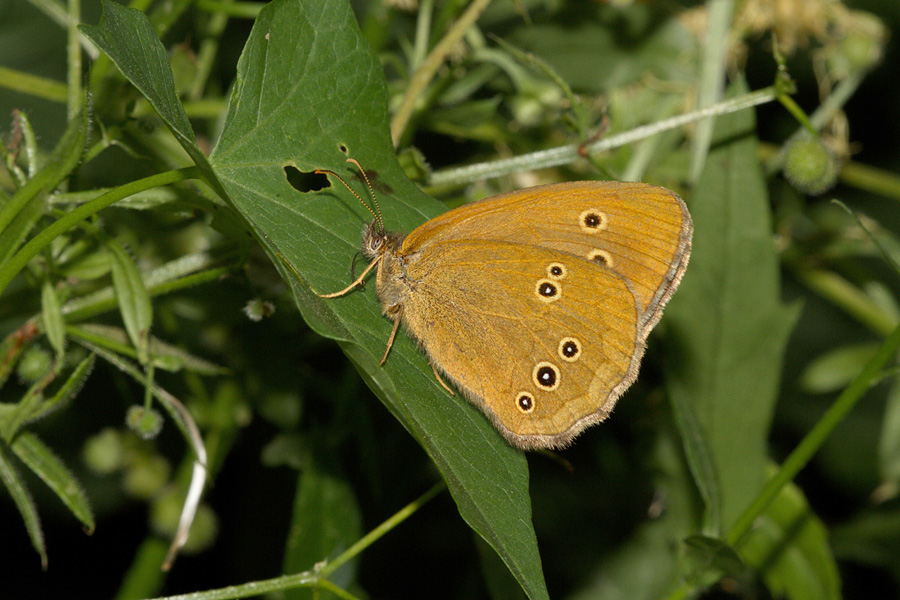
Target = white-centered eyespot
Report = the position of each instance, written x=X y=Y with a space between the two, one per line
x=569 y=349
x=593 y=220
x=525 y=402
x=545 y=376
x=547 y=290
x=556 y=270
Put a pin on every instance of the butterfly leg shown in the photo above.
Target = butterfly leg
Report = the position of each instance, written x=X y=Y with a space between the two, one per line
x=395 y=312
x=358 y=281
x=441 y=380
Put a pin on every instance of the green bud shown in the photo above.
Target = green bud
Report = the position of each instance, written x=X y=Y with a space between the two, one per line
x=146 y=423
x=34 y=364
x=810 y=165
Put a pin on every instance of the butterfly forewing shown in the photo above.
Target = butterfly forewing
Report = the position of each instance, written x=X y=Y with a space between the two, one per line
x=641 y=232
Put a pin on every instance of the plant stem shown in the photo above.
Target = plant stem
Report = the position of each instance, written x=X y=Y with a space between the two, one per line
x=209 y=50
x=424 y=74
x=871 y=179
x=797 y=112
x=368 y=539
x=562 y=155
x=817 y=436
x=75 y=99
x=39 y=87
x=58 y=13
x=423 y=27
x=822 y=115
x=254 y=588
x=315 y=579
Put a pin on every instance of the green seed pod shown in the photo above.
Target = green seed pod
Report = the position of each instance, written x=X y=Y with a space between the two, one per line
x=810 y=165
x=146 y=424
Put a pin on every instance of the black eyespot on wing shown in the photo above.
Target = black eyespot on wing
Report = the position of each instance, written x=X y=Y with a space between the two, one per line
x=547 y=290
x=593 y=220
x=525 y=402
x=545 y=376
x=569 y=349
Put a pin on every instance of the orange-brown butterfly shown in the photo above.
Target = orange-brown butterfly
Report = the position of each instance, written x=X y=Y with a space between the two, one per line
x=535 y=304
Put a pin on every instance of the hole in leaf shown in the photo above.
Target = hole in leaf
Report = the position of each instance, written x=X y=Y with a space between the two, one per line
x=305 y=181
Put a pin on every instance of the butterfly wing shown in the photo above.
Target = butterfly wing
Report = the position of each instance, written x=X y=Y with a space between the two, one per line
x=640 y=231
x=542 y=341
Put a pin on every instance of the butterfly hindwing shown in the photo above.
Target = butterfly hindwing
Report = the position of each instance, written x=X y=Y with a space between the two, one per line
x=542 y=340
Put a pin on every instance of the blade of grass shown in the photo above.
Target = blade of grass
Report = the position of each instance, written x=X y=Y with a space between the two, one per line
x=715 y=58
x=22 y=499
x=423 y=75
x=69 y=220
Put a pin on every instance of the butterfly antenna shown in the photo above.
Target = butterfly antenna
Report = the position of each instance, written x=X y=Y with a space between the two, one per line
x=377 y=211
x=371 y=190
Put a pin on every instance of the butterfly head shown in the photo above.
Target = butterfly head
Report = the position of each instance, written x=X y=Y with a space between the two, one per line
x=377 y=241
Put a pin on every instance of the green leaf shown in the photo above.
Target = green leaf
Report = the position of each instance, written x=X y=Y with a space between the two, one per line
x=835 y=369
x=789 y=545
x=326 y=521
x=128 y=38
x=18 y=229
x=727 y=326
x=716 y=48
x=66 y=391
x=21 y=212
x=165 y=356
x=54 y=325
x=699 y=458
x=499 y=581
x=180 y=273
x=22 y=499
x=41 y=460
x=65 y=157
x=889 y=442
x=22 y=411
x=872 y=538
x=134 y=301
x=145 y=578
x=32 y=406
x=308 y=85
x=711 y=556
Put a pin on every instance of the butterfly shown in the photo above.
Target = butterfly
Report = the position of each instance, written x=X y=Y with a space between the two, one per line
x=535 y=304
